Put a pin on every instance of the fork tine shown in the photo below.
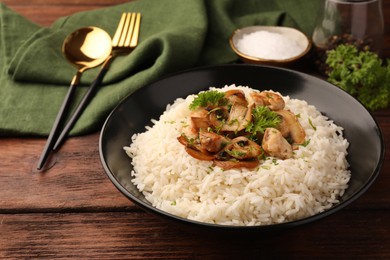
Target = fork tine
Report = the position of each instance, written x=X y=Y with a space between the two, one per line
x=125 y=30
x=130 y=31
x=134 y=38
x=118 y=33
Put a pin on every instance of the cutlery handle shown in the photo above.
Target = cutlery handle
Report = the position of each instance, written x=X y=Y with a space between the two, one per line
x=58 y=122
x=80 y=108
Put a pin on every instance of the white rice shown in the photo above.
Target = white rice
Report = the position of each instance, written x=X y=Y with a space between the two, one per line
x=275 y=192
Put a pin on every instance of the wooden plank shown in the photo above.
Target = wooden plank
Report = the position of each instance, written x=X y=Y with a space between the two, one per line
x=386 y=16
x=130 y=235
x=77 y=179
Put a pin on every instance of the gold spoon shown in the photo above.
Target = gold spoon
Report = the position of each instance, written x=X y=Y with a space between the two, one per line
x=85 y=48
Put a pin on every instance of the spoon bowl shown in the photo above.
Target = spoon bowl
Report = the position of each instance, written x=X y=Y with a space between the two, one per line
x=85 y=48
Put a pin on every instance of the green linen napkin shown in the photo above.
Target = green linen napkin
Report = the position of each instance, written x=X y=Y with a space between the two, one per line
x=175 y=35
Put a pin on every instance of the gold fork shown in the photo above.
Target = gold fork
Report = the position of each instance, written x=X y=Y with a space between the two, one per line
x=126 y=35
x=124 y=41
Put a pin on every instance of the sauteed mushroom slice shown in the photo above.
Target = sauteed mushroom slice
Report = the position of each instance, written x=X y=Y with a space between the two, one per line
x=200 y=118
x=290 y=126
x=269 y=99
x=189 y=142
x=236 y=96
x=239 y=117
x=218 y=116
x=227 y=165
x=212 y=142
x=242 y=148
x=240 y=153
x=204 y=156
x=274 y=144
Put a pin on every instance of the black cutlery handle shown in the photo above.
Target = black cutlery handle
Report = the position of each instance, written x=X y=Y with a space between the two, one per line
x=57 y=124
x=80 y=108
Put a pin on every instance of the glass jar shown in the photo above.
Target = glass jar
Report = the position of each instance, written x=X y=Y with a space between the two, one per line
x=357 y=22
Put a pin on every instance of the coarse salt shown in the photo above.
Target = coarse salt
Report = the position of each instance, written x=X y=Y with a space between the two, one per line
x=268 y=45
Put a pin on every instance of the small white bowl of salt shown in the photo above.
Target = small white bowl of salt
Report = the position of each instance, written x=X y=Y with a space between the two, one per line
x=270 y=45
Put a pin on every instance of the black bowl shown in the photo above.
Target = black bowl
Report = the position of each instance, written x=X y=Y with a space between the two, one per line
x=365 y=154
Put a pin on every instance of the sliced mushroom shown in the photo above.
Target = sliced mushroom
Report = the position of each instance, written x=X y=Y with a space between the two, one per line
x=239 y=117
x=236 y=96
x=218 y=116
x=212 y=142
x=242 y=148
x=226 y=165
x=290 y=126
x=274 y=144
x=200 y=118
x=269 y=99
x=203 y=156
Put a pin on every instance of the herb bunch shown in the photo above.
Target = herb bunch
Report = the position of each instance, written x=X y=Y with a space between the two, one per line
x=362 y=74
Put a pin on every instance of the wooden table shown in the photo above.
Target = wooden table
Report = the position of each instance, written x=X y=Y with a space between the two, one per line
x=73 y=211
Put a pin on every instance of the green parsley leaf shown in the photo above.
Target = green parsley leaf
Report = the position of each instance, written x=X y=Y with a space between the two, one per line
x=312 y=126
x=275 y=161
x=208 y=98
x=263 y=118
x=306 y=143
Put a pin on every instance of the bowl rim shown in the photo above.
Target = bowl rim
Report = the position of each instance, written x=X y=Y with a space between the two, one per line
x=257 y=59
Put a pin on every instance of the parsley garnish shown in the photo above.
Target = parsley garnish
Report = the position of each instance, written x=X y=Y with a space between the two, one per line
x=208 y=98
x=306 y=143
x=263 y=118
x=312 y=126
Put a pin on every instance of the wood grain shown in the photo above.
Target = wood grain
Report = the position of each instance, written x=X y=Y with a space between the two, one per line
x=73 y=211
x=53 y=9
x=386 y=16
x=134 y=235
x=77 y=177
